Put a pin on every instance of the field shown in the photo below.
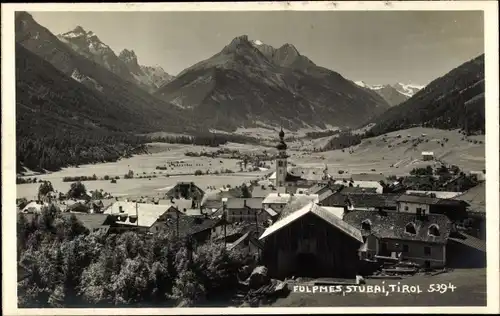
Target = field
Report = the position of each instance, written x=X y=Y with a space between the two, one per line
x=470 y=291
x=371 y=156
x=145 y=165
x=400 y=158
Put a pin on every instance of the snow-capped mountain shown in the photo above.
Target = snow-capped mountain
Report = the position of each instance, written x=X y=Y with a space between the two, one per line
x=394 y=94
x=125 y=65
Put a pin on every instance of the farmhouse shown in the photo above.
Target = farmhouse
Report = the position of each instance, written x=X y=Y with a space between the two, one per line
x=198 y=229
x=427 y=155
x=311 y=242
x=242 y=209
x=138 y=216
x=373 y=201
x=95 y=223
x=475 y=223
x=419 y=239
x=276 y=201
x=415 y=204
x=362 y=185
x=186 y=190
x=248 y=245
x=436 y=194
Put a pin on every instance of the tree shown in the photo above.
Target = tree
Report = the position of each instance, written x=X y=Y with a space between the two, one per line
x=44 y=189
x=77 y=190
x=245 y=192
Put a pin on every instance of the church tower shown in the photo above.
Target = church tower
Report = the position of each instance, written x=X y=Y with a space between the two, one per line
x=281 y=161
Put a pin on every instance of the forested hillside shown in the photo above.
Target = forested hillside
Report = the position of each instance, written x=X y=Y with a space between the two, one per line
x=60 y=122
x=454 y=101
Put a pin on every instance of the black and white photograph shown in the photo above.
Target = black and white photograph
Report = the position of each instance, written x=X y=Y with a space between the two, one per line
x=195 y=158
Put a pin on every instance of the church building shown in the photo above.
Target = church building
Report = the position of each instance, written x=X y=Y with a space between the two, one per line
x=296 y=177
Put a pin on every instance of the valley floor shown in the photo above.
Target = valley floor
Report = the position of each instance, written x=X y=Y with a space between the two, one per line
x=371 y=156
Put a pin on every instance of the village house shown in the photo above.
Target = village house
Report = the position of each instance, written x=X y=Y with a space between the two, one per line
x=436 y=194
x=242 y=209
x=185 y=190
x=475 y=223
x=198 y=229
x=420 y=239
x=261 y=191
x=247 y=245
x=311 y=242
x=276 y=201
x=361 y=186
x=415 y=204
x=95 y=223
x=141 y=217
x=427 y=155
x=372 y=201
x=267 y=216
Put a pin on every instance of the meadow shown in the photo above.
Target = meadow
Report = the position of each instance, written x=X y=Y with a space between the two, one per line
x=395 y=153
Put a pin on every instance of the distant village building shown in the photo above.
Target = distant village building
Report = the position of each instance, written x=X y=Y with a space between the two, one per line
x=247 y=245
x=475 y=223
x=404 y=236
x=311 y=242
x=140 y=217
x=95 y=223
x=186 y=190
x=422 y=205
x=242 y=209
x=427 y=155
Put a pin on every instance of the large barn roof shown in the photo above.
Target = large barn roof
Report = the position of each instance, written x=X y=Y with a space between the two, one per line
x=322 y=213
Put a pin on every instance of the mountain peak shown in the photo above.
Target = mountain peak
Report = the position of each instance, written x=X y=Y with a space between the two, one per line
x=127 y=54
x=79 y=29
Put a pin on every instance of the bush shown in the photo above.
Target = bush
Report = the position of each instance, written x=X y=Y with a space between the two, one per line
x=113 y=180
x=198 y=173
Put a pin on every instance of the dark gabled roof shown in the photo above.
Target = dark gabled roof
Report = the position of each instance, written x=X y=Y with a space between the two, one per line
x=391 y=225
x=189 y=225
x=291 y=178
x=427 y=200
x=239 y=203
x=90 y=221
x=296 y=203
x=347 y=189
x=475 y=197
x=319 y=188
x=326 y=194
x=374 y=200
x=336 y=199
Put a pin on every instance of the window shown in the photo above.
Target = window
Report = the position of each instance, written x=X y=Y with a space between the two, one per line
x=280 y=163
x=366 y=225
x=427 y=251
x=434 y=230
x=406 y=208
x=405 y=248
x=410 y=229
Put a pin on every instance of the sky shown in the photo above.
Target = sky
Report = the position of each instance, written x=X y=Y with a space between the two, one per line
x=377 y=47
